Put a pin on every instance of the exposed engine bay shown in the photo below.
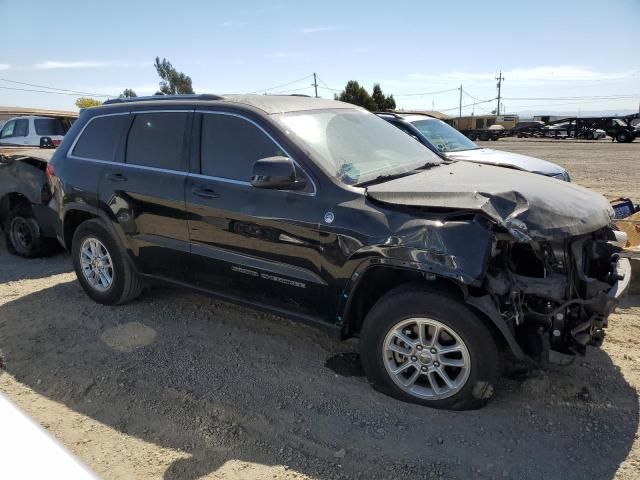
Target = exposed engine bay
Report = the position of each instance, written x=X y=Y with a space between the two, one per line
x=562 y=289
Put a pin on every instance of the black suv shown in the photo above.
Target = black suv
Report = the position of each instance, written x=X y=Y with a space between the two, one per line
x=322 y=212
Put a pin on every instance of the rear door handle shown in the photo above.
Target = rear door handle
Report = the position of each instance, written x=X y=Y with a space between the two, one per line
x=116 y=177
x=204 y=192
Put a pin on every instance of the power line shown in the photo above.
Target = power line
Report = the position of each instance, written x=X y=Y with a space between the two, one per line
x=592 y=97
x=43 y=91
x=54 y=88
x=563 y=104
x=425 y=93
x=327 y=86
x=280 y=86
x=465 y=106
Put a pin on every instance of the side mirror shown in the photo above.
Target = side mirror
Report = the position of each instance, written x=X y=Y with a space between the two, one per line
x=276 y=173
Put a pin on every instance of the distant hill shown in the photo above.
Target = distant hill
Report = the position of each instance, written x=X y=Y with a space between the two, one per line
x=573 y=113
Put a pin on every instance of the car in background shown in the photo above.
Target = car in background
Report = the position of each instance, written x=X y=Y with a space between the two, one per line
x=450 y=144
x=25 y=218
x=568 y=129
x=29 y=131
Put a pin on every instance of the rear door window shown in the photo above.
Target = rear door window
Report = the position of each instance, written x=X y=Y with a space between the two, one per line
x=158 y=140
x=100 y=138
x=48 y=126
x=231 y=145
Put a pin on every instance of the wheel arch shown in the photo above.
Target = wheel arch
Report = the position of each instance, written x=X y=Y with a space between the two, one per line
x=378 y=280
x=8 y=202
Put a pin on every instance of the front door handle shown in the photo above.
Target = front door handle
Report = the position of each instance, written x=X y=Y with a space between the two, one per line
x=204 y=192
x=116 y=177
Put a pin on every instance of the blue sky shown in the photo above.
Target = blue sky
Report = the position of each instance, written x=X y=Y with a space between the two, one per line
x=565 y=49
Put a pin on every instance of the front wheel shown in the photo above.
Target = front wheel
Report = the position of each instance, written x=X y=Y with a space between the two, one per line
x=622 y=137
x=429 y=349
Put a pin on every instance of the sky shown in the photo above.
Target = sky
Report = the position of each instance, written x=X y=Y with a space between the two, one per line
x=569 y=56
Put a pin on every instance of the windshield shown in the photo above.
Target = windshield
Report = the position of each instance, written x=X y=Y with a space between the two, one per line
x=444 y=137
x=356 y=146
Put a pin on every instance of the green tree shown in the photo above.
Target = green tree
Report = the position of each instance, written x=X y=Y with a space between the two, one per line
x=87 y=102
x=357 y=95
x=383 y=102
x=128 y=93
x=173 y=82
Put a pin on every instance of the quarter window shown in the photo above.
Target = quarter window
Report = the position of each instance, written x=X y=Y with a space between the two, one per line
x=100 y=138
x=48 y=126
x=231 y=145
x=158 y=140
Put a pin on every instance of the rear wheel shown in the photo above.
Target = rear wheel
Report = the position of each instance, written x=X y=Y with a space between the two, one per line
x=472 y=136
x=429 y=349
x=101 y=266
x=23 y=234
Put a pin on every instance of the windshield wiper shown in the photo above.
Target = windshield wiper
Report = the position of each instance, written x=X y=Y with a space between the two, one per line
x=384 y=178
x=429 y=165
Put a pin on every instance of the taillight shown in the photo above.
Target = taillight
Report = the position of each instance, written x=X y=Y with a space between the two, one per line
x=51 y=171
x=56 y=142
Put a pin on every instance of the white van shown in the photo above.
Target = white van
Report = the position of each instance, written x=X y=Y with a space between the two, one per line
x=27 y=131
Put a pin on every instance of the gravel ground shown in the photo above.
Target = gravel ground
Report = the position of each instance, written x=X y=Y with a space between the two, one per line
x=179 y=386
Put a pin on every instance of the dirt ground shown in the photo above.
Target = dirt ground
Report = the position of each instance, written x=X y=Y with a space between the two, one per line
x=179 y=386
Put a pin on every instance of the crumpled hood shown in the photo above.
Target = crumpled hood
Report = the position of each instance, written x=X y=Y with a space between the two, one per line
x=507 y=159
x=528 y=205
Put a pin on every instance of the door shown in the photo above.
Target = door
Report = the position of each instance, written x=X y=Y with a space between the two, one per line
x=145 y=191
x=256 y=245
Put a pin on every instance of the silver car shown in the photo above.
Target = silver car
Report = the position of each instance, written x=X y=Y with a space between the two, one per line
x=450 y=144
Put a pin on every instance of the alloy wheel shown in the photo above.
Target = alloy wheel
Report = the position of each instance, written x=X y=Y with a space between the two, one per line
x=426 y=358
x=96 y=264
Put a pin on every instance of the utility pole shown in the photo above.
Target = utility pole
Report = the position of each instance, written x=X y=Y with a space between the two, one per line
x=315 y=83
x=460 y=107
x=500 y=79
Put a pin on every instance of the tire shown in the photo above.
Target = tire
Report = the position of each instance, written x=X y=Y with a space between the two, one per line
x=590 y=136
x=23 y=235
x=472 y=136
x=484 y=137
x=92 y=242
x=402 y=308
x=622 y=137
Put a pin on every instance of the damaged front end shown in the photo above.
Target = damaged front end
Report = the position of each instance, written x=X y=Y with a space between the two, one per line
x=563 y=289
x=551 y=263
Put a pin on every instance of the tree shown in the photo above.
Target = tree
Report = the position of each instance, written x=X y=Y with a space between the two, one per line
x=87 y=102
x=128 y=93
x=357 y=95
x=383 y=102
x=173 y=82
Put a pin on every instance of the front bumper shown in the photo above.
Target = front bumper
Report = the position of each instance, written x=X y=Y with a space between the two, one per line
x=588 y=329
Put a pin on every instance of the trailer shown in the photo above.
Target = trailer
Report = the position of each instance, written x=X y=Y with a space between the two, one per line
x=484 y=127
x=620 y=128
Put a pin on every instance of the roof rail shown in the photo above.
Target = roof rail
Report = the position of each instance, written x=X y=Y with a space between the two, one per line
x=194 y=96
x=393 y=114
